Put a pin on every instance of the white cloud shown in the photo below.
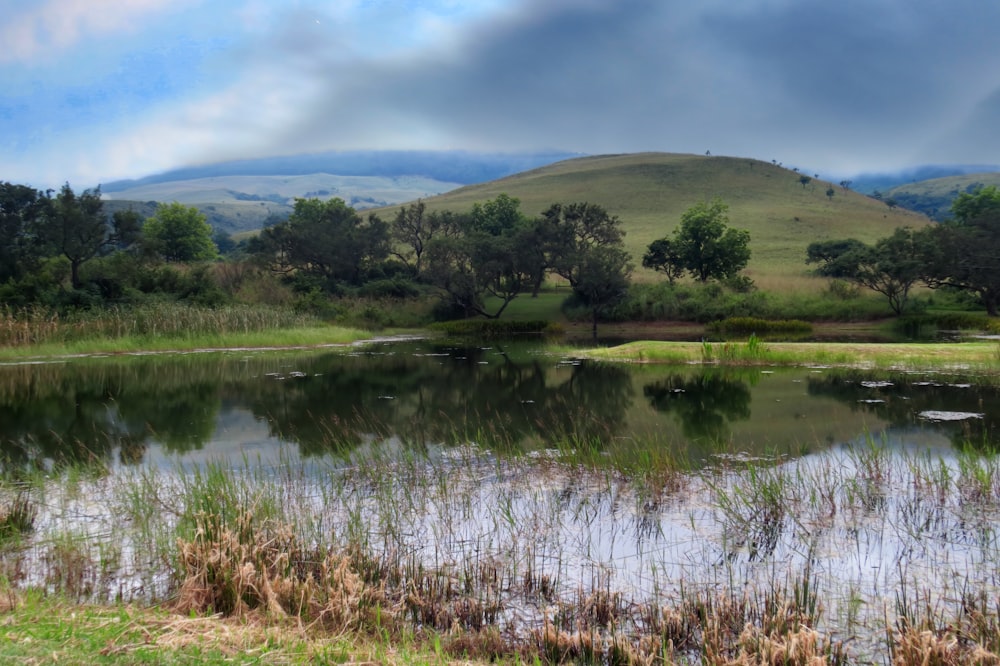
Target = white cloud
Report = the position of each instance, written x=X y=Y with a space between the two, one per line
x=46 y=29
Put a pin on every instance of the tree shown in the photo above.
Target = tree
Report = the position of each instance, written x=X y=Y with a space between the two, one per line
x=76 y=227
x=846 y=184
x=804 y=180
x=414 y=228
x=602 y=279
x=964 y=252
x=575 y=229
x=704 y=245
x=836 y=258
x=20 y=207
x=179 y=233
x=324 y=240
x=891 y=267
x=487 y=252
x=662 y=256
x=830 y=192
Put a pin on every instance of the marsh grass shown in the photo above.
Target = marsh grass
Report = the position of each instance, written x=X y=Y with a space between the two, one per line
x=17 y=515
x=42 y=332
x=555 y=555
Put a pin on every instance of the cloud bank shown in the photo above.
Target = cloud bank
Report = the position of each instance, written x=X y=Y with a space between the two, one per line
x=98 y=91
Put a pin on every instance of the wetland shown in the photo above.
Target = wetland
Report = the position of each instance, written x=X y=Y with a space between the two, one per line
x=515 y=494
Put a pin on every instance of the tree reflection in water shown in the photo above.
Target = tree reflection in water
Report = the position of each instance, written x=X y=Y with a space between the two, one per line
x=704 y=404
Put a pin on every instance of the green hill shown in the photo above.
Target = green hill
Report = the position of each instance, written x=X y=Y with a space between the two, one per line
x=934 y=197
x=650 y=191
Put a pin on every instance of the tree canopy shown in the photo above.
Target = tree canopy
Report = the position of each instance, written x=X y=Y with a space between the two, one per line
x=703 y=245
x=180 y=233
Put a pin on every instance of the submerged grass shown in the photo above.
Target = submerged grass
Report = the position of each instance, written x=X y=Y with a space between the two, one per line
x=397 y=555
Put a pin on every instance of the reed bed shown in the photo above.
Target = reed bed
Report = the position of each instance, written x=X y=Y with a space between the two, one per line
x=868 y=552
x=36 y=325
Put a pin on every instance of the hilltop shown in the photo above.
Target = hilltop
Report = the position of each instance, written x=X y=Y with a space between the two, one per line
x=650 y=191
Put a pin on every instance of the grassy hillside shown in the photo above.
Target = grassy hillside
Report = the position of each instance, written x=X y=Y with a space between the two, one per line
x=650 y=191
x=934 y=197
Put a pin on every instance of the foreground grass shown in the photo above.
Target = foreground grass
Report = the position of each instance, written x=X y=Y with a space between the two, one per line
x=967 y=355
x=44 y=629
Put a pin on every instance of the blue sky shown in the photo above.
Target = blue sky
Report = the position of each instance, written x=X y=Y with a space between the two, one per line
x=97 y=90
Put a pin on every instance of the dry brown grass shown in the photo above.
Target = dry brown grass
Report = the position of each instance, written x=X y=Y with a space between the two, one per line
x=937 y=648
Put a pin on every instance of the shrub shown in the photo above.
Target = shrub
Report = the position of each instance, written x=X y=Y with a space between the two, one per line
x=755 y=325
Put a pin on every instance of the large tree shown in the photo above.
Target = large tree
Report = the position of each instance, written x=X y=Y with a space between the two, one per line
x=891 y=267
x=602 y=280
x=180 y=233
x=76 y=227
x=574 y=230
x=703 y=244
x=964 y=252
x=481 y=255
x=414 y=228
x=325 y=240
x=20 y=207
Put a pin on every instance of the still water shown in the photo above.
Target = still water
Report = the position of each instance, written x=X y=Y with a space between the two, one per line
x=872 y=486
x=160 y=409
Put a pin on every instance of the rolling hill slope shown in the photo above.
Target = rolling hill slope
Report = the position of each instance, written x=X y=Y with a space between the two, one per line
x=650 y=191
x=934 y=197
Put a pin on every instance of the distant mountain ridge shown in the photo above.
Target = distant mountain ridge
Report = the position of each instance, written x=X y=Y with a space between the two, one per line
x=454 y=166
x=869 y=183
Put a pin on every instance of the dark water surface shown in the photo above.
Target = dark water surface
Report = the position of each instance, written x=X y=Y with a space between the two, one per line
x=229 y=406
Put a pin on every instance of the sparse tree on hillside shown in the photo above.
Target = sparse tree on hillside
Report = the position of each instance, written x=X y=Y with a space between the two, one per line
x=829 y=193
x=846 y=184
x=804 y=180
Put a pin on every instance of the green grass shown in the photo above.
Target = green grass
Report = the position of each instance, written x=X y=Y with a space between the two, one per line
x=294 y=337
x=984 y=356
x=37 y=628
x=650 y=191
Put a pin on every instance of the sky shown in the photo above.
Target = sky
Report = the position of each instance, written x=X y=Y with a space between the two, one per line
x=98 y=90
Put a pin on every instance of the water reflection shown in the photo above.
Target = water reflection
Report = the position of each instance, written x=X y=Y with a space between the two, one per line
x=968 y=413
x=704 y=403
x=508 y=397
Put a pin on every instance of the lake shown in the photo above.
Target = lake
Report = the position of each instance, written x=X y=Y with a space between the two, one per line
x=149 y=409
x=541 y=481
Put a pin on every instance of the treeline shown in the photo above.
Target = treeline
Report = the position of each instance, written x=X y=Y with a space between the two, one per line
x=961 y=254
x=476 y=262
x=61 y=250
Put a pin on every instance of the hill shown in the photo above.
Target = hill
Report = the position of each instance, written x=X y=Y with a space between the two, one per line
x=934 y=197
x=650 y=191
x=243 y=203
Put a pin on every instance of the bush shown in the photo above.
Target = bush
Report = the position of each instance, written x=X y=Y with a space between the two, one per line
x=395 y=287
x=757 y=326
x=490 y=327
